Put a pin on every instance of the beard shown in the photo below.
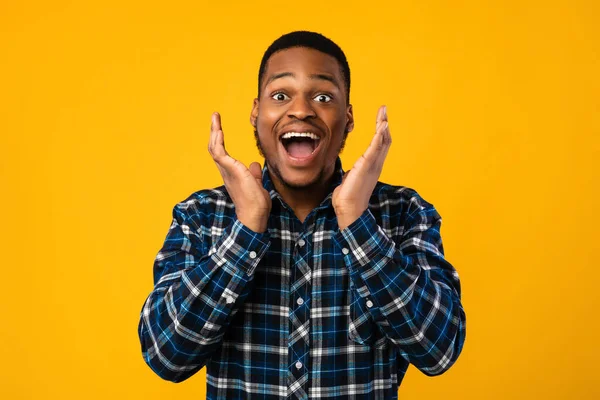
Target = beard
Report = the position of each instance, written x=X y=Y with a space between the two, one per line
x=278 y=174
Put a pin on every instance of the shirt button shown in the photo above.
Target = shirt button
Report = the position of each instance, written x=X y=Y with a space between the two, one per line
x=301 y=242
x=300 y=301
x=298 y=365
x=253 y=255
x=229 y=299
x=369 y=303
x=345 y=250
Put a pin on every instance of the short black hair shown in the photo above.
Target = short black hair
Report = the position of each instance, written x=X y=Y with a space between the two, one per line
x=310 y=40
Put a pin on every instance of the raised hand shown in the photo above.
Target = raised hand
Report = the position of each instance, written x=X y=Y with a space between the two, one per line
x=244 y=185
x=351 y=198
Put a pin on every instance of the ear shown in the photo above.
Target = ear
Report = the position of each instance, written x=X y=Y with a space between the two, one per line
x=349 y=119
x=254 y=113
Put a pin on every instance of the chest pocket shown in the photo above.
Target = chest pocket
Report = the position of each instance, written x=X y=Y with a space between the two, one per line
x=362 y=328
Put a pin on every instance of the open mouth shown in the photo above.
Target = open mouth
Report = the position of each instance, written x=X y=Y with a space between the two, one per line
x=300 y=144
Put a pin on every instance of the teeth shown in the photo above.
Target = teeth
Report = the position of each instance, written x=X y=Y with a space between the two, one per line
x=290 y=135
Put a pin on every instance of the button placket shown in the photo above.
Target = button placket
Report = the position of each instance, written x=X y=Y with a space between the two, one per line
x=300 y=286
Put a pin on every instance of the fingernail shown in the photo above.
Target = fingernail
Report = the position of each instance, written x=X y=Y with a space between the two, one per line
x=385 y=111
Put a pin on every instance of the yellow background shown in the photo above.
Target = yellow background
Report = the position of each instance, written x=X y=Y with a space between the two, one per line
x=104 y=119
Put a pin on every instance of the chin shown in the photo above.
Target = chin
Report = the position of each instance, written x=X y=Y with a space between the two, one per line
x=300 y=180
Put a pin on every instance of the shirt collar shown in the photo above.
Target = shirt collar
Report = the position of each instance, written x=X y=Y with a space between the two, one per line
x=338 y=173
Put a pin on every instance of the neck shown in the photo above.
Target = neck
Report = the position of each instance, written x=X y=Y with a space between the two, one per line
x=304 y=199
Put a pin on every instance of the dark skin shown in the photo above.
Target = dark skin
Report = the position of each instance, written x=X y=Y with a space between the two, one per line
x=311 y=98
x=302 y=91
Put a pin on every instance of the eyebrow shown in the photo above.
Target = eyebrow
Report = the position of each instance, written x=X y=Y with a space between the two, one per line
x=323 y=77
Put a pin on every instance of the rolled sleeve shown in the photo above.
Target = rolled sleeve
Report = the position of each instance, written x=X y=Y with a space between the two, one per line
x=242 y=248
x=363 y=241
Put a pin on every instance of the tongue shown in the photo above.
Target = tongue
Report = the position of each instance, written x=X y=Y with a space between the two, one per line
x=300 y=149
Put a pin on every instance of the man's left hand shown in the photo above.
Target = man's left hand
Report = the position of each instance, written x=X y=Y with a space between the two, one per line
x=351 y=198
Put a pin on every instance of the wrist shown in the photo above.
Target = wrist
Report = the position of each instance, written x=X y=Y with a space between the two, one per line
x=346 y=219
x=255 y=224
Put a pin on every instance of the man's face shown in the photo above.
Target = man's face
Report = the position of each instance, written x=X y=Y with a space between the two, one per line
x=301 y=116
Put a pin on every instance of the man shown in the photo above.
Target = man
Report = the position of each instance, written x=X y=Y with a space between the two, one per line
x=301 y=281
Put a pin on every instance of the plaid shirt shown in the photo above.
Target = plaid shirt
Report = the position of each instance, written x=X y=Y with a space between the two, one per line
x=303 y=310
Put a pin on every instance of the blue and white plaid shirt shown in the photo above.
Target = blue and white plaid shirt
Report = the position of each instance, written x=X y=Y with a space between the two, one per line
x=303 y=310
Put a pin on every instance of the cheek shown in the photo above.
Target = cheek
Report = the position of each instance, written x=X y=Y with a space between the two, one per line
x=268 y=117
x=265 y=124
x=338 y=130
x=267 y=141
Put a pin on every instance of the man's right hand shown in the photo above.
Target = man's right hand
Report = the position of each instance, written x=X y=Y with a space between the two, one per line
x=244 y=185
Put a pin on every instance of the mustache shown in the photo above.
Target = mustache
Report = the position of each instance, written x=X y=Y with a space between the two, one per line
x=311 y=124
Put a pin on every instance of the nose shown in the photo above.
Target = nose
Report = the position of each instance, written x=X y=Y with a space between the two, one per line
x=301 y=108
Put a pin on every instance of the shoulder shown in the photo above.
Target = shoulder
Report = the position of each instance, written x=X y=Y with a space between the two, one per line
x=402 y=199
x=205 y=202
x=401 y=209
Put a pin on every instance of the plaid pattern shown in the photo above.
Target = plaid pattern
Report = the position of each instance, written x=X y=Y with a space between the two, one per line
x=303 y=310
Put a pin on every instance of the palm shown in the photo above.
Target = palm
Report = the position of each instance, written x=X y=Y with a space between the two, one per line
x=244 y=185
x=351 y=198
x=242 y=181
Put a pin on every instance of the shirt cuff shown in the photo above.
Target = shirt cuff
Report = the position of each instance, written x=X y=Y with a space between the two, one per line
x=364 y=241
x=242 y=248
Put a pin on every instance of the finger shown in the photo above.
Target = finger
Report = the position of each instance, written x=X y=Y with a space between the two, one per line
x=229 y=166
x=386 y=141
x=385 y=129
x=381 y=113
x=214 y=128
x=210 y=138
x=226 y=164
x=378 y=138
x=218 y=139
x=216 y=121
x=219 y=148
x=387 y=134
x=256 y=171
x=346 y=175
x=379 y=146
x=381 y=116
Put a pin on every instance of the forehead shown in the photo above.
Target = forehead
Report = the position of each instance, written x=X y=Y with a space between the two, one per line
x=303 y=61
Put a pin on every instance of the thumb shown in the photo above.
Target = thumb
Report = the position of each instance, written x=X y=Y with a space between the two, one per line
x=256 y=171
x=346 y=175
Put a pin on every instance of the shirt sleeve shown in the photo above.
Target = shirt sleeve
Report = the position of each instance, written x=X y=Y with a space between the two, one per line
x=198 y=289
x=411 y=291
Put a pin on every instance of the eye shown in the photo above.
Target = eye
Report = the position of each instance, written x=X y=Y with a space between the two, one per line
x=323 y=98
x=279 y=96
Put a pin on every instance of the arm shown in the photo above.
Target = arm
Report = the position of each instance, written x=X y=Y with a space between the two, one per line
x=197 y=292
x=199 y=287
x=412 y=291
